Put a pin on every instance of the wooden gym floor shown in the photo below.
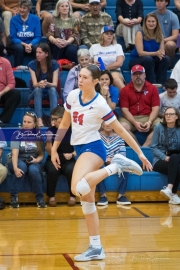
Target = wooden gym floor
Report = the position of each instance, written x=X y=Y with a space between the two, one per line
x=144 y=236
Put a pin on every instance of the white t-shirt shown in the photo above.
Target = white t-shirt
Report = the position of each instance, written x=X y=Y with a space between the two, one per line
x=86 y=118
x=166 y=101
x=108 y=54
x=176 y=74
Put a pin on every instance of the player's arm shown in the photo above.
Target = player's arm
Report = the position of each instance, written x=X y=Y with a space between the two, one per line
x=63 y=127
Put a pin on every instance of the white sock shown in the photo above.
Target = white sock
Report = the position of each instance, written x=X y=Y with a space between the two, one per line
x=111 y=169
x=95 y=240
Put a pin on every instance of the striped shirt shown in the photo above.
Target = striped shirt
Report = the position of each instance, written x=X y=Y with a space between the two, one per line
x=114 y=145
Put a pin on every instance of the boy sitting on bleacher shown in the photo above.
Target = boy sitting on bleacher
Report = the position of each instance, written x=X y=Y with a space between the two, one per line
x=170 y=98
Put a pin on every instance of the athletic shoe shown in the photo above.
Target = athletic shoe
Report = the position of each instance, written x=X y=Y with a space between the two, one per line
x=166 y=192
x=126 y=165
x=102 y=201
x=92 y=253
x=174 y=199
x=123 y=200
x=14 y=201
x=41 y=204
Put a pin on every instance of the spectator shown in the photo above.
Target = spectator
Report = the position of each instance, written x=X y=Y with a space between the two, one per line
x=44 y=11
x=3 y=169
x=25 y=32
x=165 y=146
x=175 y=74
x=149 y=51
x=3 y=39
x=108 y=91
x=170 y=98
x=129 y=15
x=26 y=158
x=92 y=23
x=66 y=154
x=81 y=7
x=139 y=103
x=63 y=32
x=169 y=25
x=114 y=145
x=44 y=74
x=71 y=83
x=111 y=54
x=9 y=97
x=10 y=8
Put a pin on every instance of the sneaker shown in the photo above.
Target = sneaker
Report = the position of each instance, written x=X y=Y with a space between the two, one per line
x=92 y=253
x=123 y=200
x=41 y=204
x=102 y=201
x=126 y=165
x=14 y=201
x=166 y=192
x=174 y=199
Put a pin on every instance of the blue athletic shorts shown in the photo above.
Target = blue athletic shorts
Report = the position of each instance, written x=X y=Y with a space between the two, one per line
x=96 y=147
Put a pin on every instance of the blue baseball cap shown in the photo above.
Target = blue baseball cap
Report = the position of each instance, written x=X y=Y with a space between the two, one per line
x=107 y=28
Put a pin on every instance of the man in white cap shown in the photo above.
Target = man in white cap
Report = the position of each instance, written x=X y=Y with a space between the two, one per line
x=139 y=102
x=92 y=23
x=81 y=7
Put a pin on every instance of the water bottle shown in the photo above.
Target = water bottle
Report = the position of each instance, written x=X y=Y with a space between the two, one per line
x=102 y=66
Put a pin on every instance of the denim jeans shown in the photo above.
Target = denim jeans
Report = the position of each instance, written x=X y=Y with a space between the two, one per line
x=156 y=69
x=19 y=52
x=122 y=185
x=35 y=176
x=47 y=93
x=69 y=52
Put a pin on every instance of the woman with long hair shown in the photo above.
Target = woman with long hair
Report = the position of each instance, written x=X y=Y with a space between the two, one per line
x=107 y=90
x=110 y=53
x=165 y=146
x=149 y=51
x=44 y=74
x=27 y=155
x=63 y=32
x=85 y=110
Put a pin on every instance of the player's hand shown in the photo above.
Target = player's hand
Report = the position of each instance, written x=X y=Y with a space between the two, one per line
x=55 y=160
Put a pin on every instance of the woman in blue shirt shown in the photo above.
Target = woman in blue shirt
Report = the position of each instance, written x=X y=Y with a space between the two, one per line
x=149 y=51
x=108 y=91
x=25 y=32
x=44 y=74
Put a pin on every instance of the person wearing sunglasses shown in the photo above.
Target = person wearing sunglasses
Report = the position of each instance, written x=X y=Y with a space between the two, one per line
x=27 y=155
x=165 y=147
x=66 y=154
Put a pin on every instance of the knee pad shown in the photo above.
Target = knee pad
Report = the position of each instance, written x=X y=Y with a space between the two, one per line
x=88 y=207
x=82 y=188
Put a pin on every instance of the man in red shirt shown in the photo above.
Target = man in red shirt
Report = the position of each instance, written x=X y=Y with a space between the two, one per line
x=139 y=102
x=9 y=97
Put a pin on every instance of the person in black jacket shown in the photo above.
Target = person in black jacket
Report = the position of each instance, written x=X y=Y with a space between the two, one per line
x=129 y=15
x=66 y=154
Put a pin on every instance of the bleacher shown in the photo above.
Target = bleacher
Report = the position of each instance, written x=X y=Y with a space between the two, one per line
x=139 y=188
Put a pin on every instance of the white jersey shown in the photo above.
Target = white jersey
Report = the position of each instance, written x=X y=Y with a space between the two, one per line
x=86 y=118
